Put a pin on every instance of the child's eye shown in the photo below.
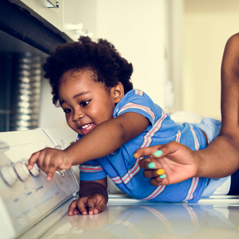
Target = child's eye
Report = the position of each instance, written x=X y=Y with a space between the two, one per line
x=66 y=111
x=84 y=103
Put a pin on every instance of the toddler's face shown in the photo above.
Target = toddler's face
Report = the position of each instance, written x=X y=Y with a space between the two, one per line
x=86 y=103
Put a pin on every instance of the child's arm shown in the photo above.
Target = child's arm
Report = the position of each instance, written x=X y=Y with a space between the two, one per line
x=104 y=139
x=93 y=198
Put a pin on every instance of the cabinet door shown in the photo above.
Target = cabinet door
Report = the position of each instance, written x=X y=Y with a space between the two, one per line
x=50 y=13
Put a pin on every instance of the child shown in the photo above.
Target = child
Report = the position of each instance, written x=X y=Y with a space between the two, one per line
x=91 y=83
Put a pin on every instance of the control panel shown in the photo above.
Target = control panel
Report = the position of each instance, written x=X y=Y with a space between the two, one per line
x=26 y=196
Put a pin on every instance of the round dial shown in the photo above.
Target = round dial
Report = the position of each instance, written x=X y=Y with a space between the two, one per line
x=9 y=175
x=35 y=171
x=22 y=170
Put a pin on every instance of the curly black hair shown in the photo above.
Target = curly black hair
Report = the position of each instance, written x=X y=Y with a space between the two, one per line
x=101 y=57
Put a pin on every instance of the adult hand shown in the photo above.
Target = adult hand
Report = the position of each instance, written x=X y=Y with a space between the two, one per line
x=168 y=164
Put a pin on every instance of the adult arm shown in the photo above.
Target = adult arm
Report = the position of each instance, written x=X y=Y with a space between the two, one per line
x=221 y=157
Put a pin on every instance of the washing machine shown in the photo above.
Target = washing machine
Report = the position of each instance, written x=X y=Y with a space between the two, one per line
x=32 y=207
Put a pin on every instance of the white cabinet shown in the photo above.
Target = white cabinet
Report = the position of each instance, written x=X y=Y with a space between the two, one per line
x=45 y=11
x=72 y=17
x=80 y=18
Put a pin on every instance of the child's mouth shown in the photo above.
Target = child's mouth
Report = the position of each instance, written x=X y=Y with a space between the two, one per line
x=85 y=129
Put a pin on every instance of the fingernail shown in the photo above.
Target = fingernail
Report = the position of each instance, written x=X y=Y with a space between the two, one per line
x=151 y=165
x=163 y=176
x=29 y=166
x=160 y=171
x=48 y=178
x=158 y=153
x=136 y=155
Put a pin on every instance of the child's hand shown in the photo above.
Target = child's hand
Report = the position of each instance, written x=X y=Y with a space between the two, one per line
x=92 y=204
x=168 y=164
x=50 y=160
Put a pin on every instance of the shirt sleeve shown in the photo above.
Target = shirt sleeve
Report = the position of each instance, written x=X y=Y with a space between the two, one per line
x=91 y=170
x=139 y=102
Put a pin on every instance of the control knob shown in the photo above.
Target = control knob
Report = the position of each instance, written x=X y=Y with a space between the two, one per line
x=22 y=170
x=9 y=175
x=35 y=171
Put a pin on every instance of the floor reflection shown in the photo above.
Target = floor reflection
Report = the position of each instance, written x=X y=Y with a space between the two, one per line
x=152 y=221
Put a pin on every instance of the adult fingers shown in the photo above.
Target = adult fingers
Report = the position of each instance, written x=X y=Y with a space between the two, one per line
x=150 y=173
x=151 y=162
x=154 y=160
x=157 y=181
x=142 y=152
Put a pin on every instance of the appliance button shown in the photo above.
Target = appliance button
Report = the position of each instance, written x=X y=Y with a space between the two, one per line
x=9 y=175
x=22 y=170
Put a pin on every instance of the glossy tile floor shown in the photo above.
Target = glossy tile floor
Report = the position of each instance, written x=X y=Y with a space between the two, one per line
x=217 y=217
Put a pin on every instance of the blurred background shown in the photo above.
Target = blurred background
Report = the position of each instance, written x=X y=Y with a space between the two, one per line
x=175 y=46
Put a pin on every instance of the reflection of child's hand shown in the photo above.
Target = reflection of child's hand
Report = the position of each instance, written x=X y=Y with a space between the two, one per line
x=92 y=204
x=50 y=160
x=168 y=164
x=90 y=222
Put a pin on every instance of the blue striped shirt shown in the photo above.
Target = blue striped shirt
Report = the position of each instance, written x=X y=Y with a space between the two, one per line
x=124 y=169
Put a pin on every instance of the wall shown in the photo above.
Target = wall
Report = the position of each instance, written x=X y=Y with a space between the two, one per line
x=207 y=26
x=137 y=28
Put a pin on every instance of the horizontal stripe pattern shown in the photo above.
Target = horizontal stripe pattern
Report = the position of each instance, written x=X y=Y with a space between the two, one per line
x=131 y=105
x=90 y=169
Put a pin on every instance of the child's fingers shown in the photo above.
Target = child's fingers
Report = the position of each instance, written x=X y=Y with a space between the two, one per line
x=32 y=160
x=72 y=208
x=49 y=176
x=50 y=169
x=91 y=205
x=100 y=207
x=81 y=204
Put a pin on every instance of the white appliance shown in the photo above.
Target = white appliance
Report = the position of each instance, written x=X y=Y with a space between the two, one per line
x=26 y=197
x=32 y=207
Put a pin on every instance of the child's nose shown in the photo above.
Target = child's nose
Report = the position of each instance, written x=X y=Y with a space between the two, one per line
x=77 y=115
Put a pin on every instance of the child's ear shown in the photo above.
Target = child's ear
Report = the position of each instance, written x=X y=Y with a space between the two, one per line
x=117 y=92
